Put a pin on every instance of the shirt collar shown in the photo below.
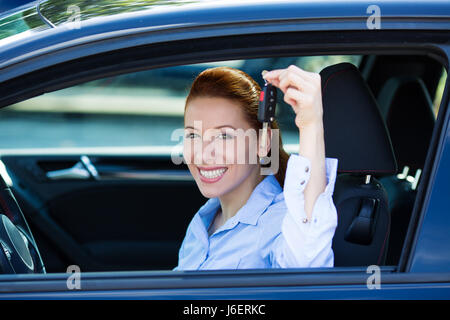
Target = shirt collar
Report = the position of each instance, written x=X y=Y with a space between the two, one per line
x=261 y=197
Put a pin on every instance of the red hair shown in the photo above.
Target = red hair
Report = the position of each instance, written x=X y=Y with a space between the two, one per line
x=236 y=85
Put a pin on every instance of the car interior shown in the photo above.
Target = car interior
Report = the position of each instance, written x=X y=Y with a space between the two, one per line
x=97 y=186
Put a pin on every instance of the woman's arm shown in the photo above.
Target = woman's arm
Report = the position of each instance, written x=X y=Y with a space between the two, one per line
x=311 y=219
x=302 y=90
x=312 y=147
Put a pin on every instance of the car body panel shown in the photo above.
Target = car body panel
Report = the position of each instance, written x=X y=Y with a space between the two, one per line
x=428 y=255
x=432 y=252
x=211 y=20
x=241 y=284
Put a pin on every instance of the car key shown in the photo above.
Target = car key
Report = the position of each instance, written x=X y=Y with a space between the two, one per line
x=266 y=110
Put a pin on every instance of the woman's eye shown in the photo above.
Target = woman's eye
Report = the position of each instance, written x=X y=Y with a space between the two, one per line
x=225 y=136
x=191 y=135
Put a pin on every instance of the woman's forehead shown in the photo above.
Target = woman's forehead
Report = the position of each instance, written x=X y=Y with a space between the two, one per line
x=204 y=104
x=214 y=113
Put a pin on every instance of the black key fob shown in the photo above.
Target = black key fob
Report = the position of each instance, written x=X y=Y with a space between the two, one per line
x=267 y=103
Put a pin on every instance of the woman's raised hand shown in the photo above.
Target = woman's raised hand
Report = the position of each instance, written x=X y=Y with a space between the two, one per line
x=302 y=90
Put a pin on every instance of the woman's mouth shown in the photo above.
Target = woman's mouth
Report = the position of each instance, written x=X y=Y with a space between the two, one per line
x=211 y=174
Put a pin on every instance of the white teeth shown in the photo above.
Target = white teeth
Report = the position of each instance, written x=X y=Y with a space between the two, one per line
x=211 y=174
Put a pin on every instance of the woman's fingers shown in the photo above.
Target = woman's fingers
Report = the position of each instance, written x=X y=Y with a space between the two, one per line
x=302 y=90
x=291 y=76
x=305 y=74
x=294 y=97
x=273 y=76
x=291 y=79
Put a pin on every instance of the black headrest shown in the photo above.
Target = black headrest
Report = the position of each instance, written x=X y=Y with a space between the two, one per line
x=355 y=132
x=408 y=112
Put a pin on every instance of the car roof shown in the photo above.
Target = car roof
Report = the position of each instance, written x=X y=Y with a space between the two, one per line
x=209 y=18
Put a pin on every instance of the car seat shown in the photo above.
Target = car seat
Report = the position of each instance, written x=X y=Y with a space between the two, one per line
x=407 y=110
x=356 y=135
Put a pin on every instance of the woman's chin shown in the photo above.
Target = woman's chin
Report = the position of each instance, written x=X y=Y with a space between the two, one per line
x=209 y=195
x=210 y=192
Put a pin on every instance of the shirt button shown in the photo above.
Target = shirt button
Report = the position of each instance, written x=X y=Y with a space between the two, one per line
x=303 y=182
x=307 y=169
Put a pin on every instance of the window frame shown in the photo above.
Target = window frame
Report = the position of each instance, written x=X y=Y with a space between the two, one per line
x=59 y=76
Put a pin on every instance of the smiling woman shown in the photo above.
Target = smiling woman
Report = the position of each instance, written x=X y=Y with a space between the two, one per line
x=251 y=221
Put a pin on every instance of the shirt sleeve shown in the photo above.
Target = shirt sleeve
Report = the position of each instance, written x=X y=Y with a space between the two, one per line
x=306 y=244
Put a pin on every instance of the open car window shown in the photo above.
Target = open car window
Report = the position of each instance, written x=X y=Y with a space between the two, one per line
x=125 y=125
x=133 y=110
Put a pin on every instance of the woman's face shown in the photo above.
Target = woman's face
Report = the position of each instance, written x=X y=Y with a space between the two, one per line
x=218 y=145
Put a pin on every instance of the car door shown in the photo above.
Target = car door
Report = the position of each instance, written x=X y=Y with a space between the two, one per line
x=238 y=284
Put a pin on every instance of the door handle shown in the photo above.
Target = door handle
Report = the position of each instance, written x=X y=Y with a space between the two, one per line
x=82 y=170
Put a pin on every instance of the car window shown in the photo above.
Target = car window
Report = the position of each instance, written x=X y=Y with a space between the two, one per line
x=132 y=110
x=143 y=109
x=27 y=19
x=439 y=92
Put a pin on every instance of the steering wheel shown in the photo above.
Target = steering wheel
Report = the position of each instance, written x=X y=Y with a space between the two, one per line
x=18 y=250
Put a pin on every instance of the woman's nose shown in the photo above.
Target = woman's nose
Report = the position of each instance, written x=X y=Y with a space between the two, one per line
x=208 y=152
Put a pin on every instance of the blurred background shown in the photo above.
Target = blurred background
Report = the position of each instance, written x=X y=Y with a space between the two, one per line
x=136 y=109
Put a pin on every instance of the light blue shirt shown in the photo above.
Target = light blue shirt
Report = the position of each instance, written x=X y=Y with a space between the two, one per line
x=269 y=231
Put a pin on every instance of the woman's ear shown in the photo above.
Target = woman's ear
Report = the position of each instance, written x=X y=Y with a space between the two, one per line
x=263 y=150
